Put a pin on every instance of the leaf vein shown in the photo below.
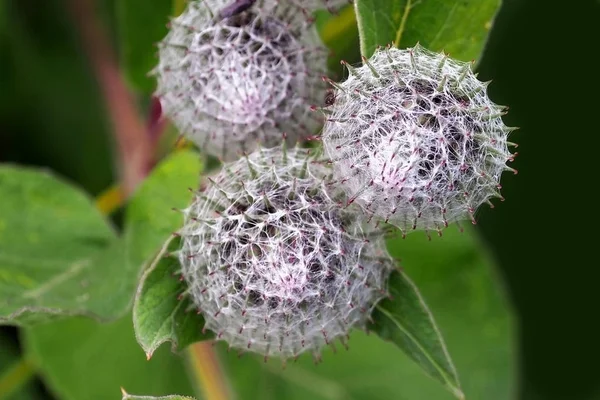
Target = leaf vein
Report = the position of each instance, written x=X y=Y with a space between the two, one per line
x=411 y=337
x=70 y=272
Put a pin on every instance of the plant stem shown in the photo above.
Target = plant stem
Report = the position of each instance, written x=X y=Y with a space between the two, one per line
x=15 y=377
x=202 y=359
x=110 y=200
x=133 y=144
x=206 y=370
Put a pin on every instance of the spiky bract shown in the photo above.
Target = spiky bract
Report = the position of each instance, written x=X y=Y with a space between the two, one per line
x=272 y=261
x=231 y=83
x=415 y=140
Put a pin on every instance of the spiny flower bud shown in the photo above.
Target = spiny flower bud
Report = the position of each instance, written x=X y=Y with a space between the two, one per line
x=415 y=140
x=272 y=261
x=231 y=77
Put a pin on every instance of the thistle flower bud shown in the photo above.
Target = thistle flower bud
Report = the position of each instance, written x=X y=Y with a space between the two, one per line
x=272 y=261
x=415 y=140
x=231 y=82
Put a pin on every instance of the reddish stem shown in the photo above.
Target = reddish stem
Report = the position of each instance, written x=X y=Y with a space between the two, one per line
x=133 y=144
x=136 y=143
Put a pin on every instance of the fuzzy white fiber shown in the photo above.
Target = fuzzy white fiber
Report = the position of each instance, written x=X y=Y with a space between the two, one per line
x=231 y=83
x=415 y=140
x=275 y=265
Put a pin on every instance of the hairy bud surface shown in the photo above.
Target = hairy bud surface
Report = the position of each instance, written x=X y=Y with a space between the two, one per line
x=229 y=83
x=275 y=265
x=415 y=140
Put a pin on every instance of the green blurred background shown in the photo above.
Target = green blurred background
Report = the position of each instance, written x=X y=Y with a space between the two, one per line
x=543 y=58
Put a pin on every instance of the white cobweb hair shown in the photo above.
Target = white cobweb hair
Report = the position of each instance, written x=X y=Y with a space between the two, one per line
x=271 y=260
x=415 y=140
x=230 y=83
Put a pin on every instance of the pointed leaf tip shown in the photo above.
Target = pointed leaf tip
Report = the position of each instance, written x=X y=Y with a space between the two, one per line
x=159 y=310
x=406 y=321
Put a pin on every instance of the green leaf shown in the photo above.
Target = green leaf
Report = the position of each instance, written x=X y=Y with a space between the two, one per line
x=141 y=26
x=151 y=218
x=149 y=221
x=159 y=313
x=59 y=256
x=127 y=396
x=458 y=27
x=81 y=359
x=49 y=234
x=340 y=34
x=456 y=277
x=406 y=321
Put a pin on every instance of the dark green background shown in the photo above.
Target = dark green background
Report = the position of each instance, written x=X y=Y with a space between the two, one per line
x=544 y=59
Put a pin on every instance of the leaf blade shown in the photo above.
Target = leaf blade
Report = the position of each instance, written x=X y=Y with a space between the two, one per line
x=152 y=215
x=420 y=338
x=61 y=350
x=159 y=313
x=149 y=220
x=456 y=277
x=140 y=27
x=437 y=25
x=40 y=214
x=95 y=273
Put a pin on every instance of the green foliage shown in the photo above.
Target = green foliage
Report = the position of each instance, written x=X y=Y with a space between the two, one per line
x=140 y=27
x=371 y=370
x=458 y=27
x=452 y=270
x=456 y=277
x=160 y=314
x=406 y=321
x=150 y=216
x=60 y=255
x=55 y=215
x=50 y=234
x=471 y=313
x=81 y=359
x=339 y=32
